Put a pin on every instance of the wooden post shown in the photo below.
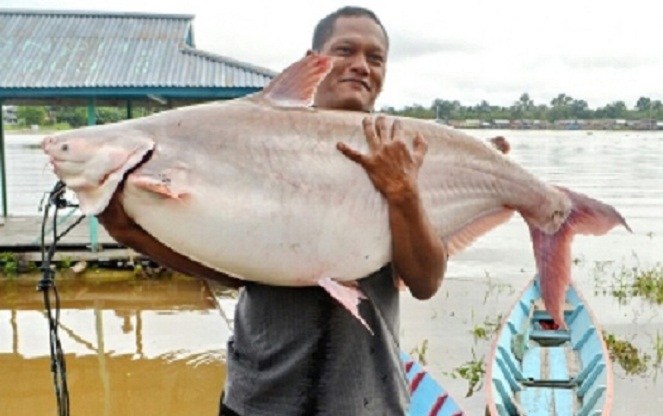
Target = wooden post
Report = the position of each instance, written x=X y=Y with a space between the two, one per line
x=3 y=169
x=93 y=222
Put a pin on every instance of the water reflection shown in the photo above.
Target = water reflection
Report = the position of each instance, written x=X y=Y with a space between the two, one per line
x=144 y=348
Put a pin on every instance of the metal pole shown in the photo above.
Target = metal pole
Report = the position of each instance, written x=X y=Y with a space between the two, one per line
x=130 y=112
x=93 y=223
x=3 y=169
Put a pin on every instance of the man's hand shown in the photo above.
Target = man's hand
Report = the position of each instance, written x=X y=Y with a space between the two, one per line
x=419 y=256
x=500 y=144
x=390 y=164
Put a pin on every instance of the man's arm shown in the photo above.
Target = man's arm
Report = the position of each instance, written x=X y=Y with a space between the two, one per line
x=419 y=256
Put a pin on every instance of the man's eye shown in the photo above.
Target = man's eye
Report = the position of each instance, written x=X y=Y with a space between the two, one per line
x=343 y=50
x=376 y=59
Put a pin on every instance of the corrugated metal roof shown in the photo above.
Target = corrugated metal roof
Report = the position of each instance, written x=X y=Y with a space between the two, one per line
x=78 y=49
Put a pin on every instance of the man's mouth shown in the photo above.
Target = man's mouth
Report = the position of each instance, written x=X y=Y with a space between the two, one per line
x=358 y=82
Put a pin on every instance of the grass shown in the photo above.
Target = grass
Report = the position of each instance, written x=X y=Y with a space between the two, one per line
x=649 y=284
x=12 y=266
x=46 y=128
x=9 y=264
x=487 y=329
x=473 y=371
x=627 y=355
x=420 y=351
x=628 y=282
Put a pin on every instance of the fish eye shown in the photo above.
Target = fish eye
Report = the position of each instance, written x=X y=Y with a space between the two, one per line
x=64 y=147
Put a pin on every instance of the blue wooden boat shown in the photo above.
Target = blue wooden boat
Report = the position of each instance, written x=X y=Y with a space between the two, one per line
x=535 y=369
x=428 y=398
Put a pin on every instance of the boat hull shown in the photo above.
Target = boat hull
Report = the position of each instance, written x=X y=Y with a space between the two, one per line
x=427 y=397
x=536 y=369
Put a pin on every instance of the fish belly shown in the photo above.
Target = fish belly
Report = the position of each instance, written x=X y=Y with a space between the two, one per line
x=269 y=235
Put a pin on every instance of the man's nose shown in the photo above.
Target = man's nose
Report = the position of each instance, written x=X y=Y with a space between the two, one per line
x=360 y=64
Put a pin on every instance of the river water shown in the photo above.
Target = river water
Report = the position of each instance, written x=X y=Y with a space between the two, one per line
x=624 y=169
x=143 y=348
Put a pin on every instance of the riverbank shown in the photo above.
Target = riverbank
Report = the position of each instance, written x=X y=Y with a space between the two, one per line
x=560 y=125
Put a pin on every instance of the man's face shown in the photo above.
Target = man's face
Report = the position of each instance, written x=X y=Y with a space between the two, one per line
x=359 y=49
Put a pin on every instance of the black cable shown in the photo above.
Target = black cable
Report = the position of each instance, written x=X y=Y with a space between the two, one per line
x=47 y=285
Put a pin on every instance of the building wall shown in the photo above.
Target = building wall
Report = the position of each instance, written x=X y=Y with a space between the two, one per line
x=9 y=114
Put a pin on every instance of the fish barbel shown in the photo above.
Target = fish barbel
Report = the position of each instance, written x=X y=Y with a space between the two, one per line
x=255 y=188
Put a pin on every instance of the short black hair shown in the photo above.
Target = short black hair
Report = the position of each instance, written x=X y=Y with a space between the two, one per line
x=325 y=27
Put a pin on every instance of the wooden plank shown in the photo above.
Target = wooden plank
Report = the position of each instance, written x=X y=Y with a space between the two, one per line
x=25 y=231
x=537 y=401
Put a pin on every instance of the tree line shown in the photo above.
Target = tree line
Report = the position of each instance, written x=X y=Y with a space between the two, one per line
x=68 y=116
x=562 y=107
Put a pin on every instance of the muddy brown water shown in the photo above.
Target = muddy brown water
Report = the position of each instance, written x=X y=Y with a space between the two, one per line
x=132 y=348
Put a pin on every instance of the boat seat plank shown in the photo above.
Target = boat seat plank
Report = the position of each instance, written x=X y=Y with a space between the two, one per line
x=549 y=336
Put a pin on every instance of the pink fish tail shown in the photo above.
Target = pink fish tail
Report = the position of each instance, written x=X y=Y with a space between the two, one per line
x=553 y=251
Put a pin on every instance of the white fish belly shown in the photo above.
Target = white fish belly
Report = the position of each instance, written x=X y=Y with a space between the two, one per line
x=292 y=240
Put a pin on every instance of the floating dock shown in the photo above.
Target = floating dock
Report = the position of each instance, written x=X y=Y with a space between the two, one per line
x=21 y=236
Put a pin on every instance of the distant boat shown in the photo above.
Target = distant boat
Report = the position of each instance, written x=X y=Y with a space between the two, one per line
x=535 y=369
x=428 y=398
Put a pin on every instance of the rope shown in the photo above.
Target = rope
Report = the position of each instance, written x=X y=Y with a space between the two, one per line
x=47 y=286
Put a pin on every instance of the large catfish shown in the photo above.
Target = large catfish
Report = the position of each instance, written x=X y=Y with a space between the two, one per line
x=255 y=188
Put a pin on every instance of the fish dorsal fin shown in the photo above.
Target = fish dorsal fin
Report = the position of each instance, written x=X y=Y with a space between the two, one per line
x=296 y=85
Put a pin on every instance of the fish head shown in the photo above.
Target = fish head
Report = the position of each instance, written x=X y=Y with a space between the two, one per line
x=93 y=161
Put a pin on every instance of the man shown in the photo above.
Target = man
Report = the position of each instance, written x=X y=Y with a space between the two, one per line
x=296 y=351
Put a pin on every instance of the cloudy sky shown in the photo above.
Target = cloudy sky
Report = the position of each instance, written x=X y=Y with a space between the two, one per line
x=470 y=50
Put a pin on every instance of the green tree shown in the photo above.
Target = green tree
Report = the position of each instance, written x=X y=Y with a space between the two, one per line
x=446 y=109
x=523 y=107
x=561 y=107
x=31 y=115
x=579 y=109
x=643 y=104
x=107 y=115
x=74 y=116
x=616 y=109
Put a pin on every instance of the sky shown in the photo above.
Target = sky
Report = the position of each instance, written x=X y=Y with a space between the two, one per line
x=470 y=50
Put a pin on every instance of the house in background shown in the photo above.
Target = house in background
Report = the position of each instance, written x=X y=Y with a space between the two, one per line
x=9 y=115
x=93 y=58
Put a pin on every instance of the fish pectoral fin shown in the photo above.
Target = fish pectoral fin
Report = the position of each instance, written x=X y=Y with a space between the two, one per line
x=468 y=233
x=296 y=85
x=348 y=296
x=160 y=186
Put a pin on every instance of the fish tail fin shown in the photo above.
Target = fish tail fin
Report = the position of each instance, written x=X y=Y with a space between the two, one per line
x=553 y=251
x=348 y=296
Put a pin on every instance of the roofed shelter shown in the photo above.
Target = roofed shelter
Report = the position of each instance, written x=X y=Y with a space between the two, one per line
x=109 y=58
